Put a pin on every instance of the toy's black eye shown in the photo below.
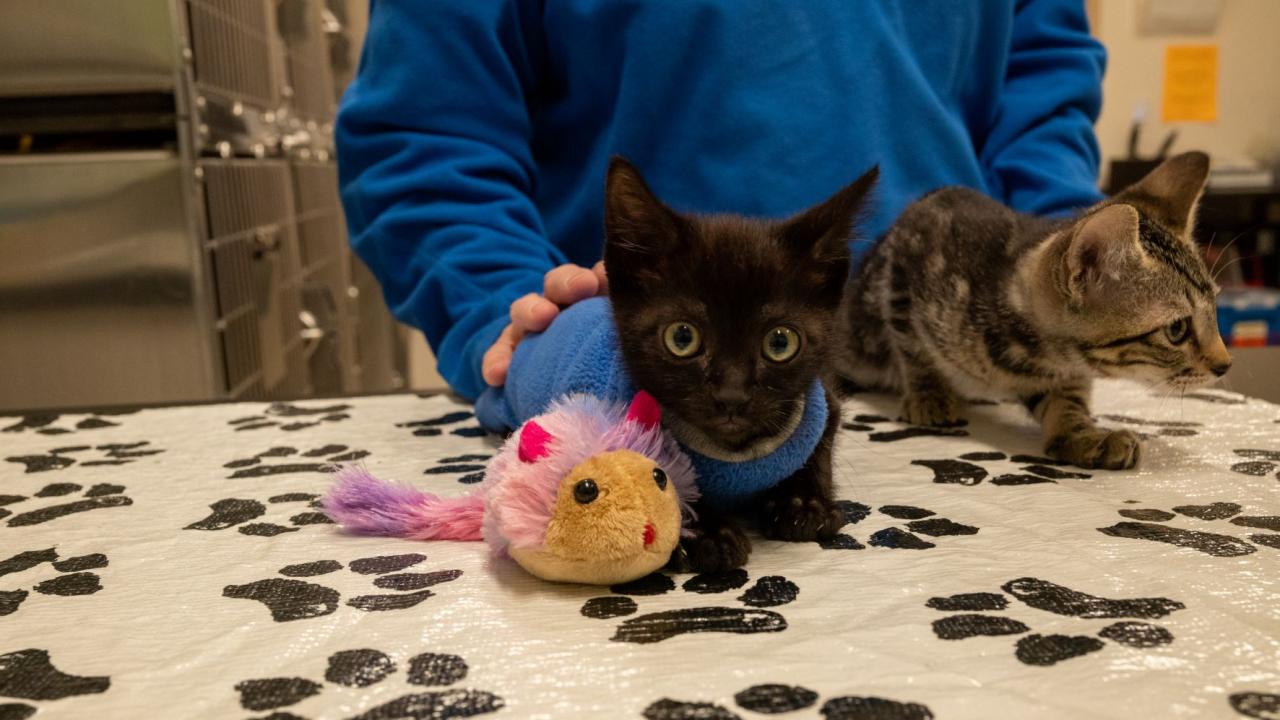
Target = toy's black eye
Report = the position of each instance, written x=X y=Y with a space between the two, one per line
x=1178 y=331
x=585 y=491
x=660 y=478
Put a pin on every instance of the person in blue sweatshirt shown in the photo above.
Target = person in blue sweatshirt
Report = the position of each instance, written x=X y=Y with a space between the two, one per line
x=474 y=141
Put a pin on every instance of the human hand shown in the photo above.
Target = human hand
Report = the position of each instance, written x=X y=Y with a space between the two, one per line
x=562 y=287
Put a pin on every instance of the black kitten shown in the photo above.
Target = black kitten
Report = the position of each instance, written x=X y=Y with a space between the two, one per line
x=727 y=321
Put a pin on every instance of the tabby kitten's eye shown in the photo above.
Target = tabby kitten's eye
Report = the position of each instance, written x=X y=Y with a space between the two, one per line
x=1178 y=331
x=682 y=339
x=781 y=344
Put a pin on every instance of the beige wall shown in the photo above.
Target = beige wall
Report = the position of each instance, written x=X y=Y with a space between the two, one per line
x=1248 y=38
x=358 y=12
x=422 y=364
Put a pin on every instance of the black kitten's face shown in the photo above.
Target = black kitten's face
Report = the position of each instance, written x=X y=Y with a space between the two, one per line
x=729 y=341
x=725 y=320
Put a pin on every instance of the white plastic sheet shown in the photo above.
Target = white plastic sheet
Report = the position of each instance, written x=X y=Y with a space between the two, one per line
x=167 y=564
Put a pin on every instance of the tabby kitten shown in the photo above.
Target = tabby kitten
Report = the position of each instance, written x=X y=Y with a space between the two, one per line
x=965 y=297
x=726 y=321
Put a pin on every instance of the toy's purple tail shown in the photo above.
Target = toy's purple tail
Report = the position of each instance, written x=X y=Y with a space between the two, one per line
x=365 y=505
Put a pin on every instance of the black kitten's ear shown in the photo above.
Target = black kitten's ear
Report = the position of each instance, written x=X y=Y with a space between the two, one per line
x=824 y=230
x=1101 y=254
x=1169 y=193
x=819 y=237
x=636 y=223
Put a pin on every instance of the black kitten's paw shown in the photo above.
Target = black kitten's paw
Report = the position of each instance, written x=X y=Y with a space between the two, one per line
x=1097 y=448
x=795 y=518
x=933 y=409
x=716 y=549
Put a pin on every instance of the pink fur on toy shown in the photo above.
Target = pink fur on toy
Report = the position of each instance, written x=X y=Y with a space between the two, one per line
x=533 y=442
x=365 y=505
x=516 y=503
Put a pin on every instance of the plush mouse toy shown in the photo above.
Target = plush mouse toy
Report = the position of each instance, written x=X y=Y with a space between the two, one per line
x=589 y=492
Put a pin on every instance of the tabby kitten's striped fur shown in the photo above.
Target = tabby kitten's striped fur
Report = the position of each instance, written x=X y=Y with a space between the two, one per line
x=965 y=297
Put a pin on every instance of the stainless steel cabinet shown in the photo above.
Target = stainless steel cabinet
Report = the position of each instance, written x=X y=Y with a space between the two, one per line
x=169 y=221
x=101 y=299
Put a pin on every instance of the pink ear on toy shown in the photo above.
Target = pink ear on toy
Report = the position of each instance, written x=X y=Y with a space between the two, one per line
x=644 y=410
x=533 y=442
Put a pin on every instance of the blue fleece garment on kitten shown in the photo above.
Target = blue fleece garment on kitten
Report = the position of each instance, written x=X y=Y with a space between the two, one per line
x=580 y=353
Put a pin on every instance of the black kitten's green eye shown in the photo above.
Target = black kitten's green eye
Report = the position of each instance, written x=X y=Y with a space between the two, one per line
x=1178 y=331
x=682 y=339
x=781 y=344
x=660 y=478
x=585 y=491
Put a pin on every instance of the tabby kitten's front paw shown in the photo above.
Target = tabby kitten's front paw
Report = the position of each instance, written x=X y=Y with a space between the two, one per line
x=716 y=549
x=795 y=518
x=1097 y=448
x=932 y=409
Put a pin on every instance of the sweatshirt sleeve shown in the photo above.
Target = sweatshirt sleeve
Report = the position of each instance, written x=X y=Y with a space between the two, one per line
x=437 y=173
x=1041 y=154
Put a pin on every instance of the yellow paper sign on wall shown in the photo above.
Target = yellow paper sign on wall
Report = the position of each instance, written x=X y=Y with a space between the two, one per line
x=1190 y=83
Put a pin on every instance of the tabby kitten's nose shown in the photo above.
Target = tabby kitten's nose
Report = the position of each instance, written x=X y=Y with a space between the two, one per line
x=1221 y=368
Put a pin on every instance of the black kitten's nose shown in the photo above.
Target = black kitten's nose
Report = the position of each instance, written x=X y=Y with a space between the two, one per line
x=731 y=397
x=1221 y=369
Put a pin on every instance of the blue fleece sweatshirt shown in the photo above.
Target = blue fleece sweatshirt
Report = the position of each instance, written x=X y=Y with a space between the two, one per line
x=579 y=353
x=473 y=143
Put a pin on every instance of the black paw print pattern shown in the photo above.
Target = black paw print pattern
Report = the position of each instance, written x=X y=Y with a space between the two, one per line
x=1149 y=524
x=431 y=427
x=973 y=620
x=73 y=578
x=31 y=675
x=64 y=457
x=471 y=467
x=289 y=598
x=882 y=429
x=98 y=497
x=363 y=667
x=777 y=698
x=768 y=591
x=1258 y=463
x=322 y=459
x=237 y=512
x=1031 y=470
x=916 y=520
x=44 y=423
x=290 y=417
x=1264 y=706
x=1217 y=398
x=1149 y=428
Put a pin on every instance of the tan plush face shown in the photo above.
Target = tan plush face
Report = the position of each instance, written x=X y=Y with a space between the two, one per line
x=616 y=518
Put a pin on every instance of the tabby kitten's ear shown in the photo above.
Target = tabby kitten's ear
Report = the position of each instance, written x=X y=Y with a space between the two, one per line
x=820 y=235
x=639 y=229
x=1169 y=193
x=1100 y=254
